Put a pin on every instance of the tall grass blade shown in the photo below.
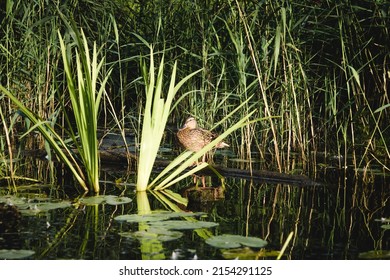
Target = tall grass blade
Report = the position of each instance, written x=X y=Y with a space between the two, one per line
x=85 y=99
x=156 y=114
x=52 y=138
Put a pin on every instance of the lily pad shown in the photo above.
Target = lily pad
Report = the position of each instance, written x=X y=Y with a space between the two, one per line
x=15 y=254
x=172 y=215
x=109 y=199
x=92 y=200
x=152 y=233
x=117 y=200
x=135 y=218
x=235 y=241
x=182 y=225
x=35 y=208
x=156 y=216
x=46 y=206
x=13 y=200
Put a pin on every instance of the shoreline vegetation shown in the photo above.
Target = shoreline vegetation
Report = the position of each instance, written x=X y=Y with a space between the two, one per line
x=313 y=76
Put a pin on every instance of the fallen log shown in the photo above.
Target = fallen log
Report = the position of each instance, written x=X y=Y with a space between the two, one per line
x=115 y=158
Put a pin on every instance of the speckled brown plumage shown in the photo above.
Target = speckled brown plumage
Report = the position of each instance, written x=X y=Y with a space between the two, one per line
x=194 y=138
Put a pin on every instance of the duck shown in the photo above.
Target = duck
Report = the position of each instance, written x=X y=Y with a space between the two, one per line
x=194 y=138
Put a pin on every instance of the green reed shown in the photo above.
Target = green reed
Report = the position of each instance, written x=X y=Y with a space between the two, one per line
x=86 y=88
x=5 y=142
x=32 y=68
x=156 y=113
x=27 y=56
x=55 y=141
x=318 y=71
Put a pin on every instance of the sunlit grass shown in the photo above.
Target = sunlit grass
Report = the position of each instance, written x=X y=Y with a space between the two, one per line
x=55 y=141
x=86 y=88
x=321 y=68
x=156 y=112
x=85 y=97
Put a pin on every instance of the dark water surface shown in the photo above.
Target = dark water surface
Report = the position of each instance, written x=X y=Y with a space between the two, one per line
x=342 y=218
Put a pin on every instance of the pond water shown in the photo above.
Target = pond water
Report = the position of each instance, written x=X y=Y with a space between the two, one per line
x=344 y=217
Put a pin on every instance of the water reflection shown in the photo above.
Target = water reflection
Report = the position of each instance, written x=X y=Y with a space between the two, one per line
x=339 y=219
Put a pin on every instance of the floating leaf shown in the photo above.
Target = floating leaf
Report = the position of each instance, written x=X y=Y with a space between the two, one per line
x=117 y=200
x=15 y=254
x=173 y=215
x=217 y=241
x=13 y=200
x=109 y=199
x=152 y=233
x=53 y=205
x=135 y=218
x=35 y=208
x=92 y=200
x=30 y=211
x=157 y=216
x=234 y=241
x=181 y=225
x=385 y=226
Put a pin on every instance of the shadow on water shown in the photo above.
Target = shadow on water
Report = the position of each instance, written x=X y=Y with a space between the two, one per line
x=344 y=217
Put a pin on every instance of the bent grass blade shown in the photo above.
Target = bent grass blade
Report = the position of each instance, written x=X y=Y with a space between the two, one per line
x=52 y=138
